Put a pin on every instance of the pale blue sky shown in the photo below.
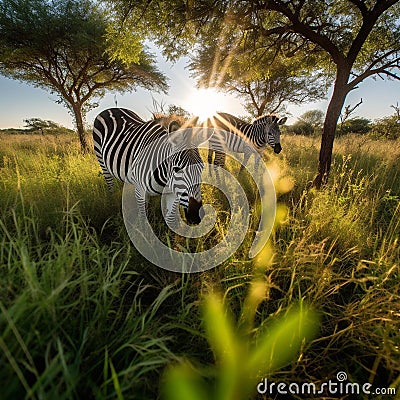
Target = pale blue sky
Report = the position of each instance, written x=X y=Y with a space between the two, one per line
x=19 y=101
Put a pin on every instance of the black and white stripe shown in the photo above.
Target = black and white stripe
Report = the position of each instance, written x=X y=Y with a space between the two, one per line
x=151 y=158
x=243 y=136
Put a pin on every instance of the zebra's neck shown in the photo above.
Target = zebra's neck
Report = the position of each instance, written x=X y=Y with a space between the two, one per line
x=240 y=127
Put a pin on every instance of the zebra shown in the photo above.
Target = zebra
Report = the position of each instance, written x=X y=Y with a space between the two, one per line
x=261 y=132
x=153 y=159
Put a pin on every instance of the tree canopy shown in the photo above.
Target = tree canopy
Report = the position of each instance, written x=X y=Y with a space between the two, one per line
x=39 y=125
x=351 y=40
x=266 y=82
x=70 y=48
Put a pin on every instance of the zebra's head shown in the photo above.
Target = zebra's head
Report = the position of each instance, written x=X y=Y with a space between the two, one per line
x=271 y=125
x=186 y=167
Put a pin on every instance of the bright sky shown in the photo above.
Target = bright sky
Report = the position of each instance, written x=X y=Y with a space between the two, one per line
x=19 y=101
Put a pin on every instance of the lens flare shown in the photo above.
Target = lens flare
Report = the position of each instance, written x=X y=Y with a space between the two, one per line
x=206 y=102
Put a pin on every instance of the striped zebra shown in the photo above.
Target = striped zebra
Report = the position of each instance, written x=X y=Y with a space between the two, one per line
x=261 y=132
x=153 y=159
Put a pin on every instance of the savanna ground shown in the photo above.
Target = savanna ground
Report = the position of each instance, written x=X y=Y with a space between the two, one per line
x=84 y=315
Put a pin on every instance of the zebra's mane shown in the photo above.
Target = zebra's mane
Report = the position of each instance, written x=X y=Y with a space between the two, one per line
x=231 y=119
x=265 y=118
x=165 y=120
x=269 y=119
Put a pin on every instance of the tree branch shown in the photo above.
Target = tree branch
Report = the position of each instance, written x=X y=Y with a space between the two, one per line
x=361 y=6
x=305 y=30
x=369 y=20
x=382 y=69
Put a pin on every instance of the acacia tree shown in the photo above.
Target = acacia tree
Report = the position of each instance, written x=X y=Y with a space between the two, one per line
x=69 y=48
x=37 y=124
x=359 y=39
x=264 y=80
x=313 y=117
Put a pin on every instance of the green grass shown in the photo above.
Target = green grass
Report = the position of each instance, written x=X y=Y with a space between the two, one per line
x=83 y=315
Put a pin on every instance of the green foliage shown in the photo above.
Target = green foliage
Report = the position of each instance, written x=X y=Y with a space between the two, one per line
x=308 y=123
x=39 y=125
x=249 y=37
x=301 y=128
x=13 y=131
x=354 y=125
x=179 y=111
x=64 y=46
x=313 y=117
x=240 y=360
x=265 y=82
x=163 y=23
x=123 y=45
x=51 y=174
x=226 y=57
x=387 y=128
x=311 y=122
x=71 y=37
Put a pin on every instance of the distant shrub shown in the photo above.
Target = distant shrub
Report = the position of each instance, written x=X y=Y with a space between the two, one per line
x=354 y=125
x=301 y=128
x=387 y=127
x=37 y=125
x=14 y=131
x=308 y=123
x=313 y=117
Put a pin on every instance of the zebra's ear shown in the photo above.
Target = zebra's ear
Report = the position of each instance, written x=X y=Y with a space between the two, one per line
x=173 y=126
x=282 y=121
x=190 y=137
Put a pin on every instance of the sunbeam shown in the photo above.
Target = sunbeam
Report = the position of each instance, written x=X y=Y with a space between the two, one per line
x=206 y=102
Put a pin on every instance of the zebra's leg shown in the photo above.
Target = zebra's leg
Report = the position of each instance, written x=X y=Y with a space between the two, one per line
x=167 y=201
x=210 y=155
x=134 y=211
x=107 y=175
x=99 y=155
x=172 y=218
x=210 y=159
x=219 y=161
x=109 y=180
x=141 y=199
x=245 y=161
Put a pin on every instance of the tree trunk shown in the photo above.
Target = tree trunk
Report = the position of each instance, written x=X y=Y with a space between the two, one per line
x=77 y=109
x=335 y=106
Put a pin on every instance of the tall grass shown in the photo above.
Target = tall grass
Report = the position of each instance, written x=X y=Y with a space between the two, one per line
x=83 y=315
x=50 y=174
x=75 y=314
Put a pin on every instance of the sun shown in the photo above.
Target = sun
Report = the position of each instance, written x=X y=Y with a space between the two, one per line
x=204 y=103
